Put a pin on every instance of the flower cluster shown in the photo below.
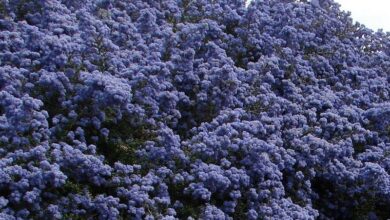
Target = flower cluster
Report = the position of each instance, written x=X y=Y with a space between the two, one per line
x=177 y=109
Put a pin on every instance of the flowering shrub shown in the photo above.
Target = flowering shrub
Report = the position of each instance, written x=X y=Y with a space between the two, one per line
x=178 y=109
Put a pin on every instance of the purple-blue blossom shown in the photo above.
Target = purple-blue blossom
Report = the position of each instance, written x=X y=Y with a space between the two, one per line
x=204 y=109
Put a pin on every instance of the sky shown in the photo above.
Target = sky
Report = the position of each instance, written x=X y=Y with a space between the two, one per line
x=373 y=14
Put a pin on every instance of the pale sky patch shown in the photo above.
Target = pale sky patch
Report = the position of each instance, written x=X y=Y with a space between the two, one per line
x=373 y=14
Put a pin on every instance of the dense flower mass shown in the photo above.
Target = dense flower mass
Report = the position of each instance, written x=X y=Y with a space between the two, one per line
x=192 y=109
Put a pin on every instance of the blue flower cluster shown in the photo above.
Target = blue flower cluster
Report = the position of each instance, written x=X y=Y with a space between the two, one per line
x=179 y=109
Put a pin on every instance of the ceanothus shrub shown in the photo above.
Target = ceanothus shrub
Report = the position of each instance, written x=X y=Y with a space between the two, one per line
x=177 y=109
